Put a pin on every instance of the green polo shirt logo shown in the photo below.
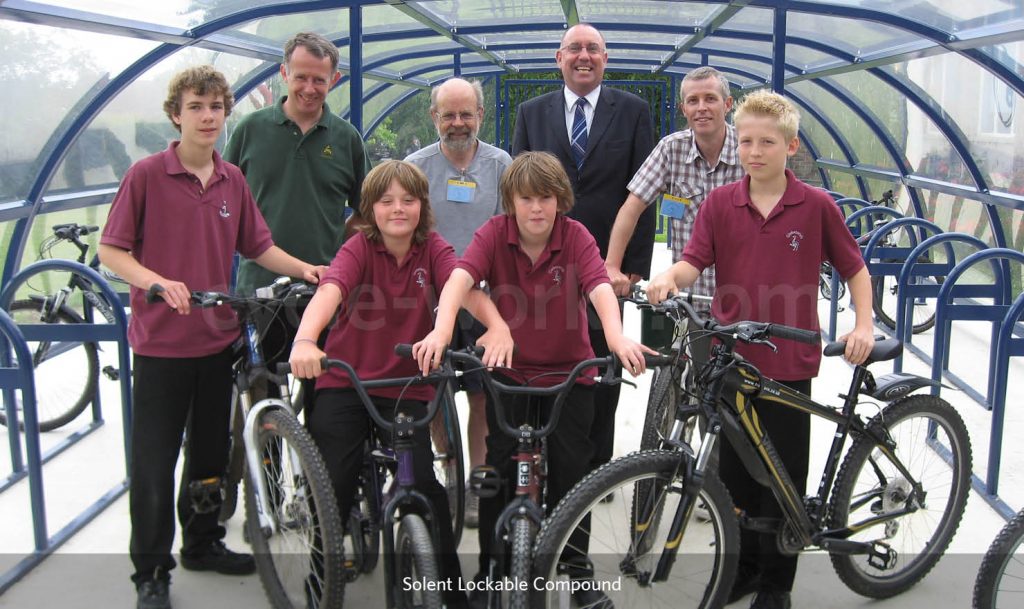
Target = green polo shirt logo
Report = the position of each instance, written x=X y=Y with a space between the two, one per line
x=327 y=152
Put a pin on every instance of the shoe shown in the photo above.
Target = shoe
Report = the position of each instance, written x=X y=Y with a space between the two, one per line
x=744 y=584
x=153 y=594
x=592 y=599
x=472 y=519
x=217 y=557
x=771 y=599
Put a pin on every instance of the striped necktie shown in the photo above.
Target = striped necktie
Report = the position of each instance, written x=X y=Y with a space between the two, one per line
x=579 y=133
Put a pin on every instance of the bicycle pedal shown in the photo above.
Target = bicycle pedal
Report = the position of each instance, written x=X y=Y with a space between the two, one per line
x=485 y=481
x=349 y=571
x=881 y=556
x=111 y=373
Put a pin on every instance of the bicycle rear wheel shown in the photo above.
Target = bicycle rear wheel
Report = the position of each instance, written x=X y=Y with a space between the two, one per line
x=299 y=563
x=449 y=463
x=416 y=562
x=999 y=583
x=624 y=552
x=66 y=373
x=884 y=292
x=364 y=521
x=931 y=441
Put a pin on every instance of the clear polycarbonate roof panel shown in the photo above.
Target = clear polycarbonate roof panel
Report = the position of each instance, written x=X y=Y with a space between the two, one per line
x=679 y=14
x=986 y=110
x=384 y=54
x=749 y=19
x=852 y=35
x=133 y=125
x=948 y=15
x=488 y=12
x=805 y=57
x=177 y=13
x=733 y=45
x=749 y=69
x=45 y=73
x=868 y=149
x=275 y=31
x=376 y=16
x=1011 y=56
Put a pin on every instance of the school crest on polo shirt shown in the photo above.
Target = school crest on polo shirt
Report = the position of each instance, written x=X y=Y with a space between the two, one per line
x=557 y=274
x=420 y=277
x=795 y=237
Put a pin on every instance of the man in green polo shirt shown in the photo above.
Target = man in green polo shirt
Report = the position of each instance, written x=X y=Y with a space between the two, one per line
x=302 y=163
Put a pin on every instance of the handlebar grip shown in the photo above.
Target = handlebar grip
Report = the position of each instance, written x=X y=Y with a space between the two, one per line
x=152 y=294
x=283 y=368
x=655 y=361
x=89 y=229
x=797 y=334
x=403 y=350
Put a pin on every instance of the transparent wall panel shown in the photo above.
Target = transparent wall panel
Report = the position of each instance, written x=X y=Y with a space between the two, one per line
x=1010 y=55
x=843 y=183
x=985 y=109
x=865 y=144
x=957 y=214
x=133 y=125
x=891 y=108
x=45 y=74
x=1012 y=221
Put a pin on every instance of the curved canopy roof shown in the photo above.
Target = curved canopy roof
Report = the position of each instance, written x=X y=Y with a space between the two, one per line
x=917 y=94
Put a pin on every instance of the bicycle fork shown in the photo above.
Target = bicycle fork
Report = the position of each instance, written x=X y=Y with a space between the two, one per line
x=289 y=464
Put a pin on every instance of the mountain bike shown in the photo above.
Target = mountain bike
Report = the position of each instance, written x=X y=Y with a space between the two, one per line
x=885 y=512
x=291 y=517
x=66 y=373
x=411 y=554
x=1002 y=570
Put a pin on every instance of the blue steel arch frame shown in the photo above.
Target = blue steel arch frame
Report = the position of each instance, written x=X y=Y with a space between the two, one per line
x=940 y=40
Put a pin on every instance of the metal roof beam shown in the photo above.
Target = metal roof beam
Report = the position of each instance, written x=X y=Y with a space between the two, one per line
x=713 y=22
x=572 y=14
x=427 y=19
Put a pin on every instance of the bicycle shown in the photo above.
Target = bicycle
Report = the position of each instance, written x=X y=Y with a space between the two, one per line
x=291 y=517
x=867 y=512
x=66 y=373
x=998 y=582
x=409 y=554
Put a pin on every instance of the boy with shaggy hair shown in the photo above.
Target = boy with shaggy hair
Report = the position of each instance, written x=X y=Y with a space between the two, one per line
x=177 y=220
x=767 y=236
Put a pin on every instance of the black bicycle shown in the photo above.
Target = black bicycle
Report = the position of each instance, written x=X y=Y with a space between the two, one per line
x=67 y=372
x=1000 y=581
x=885 y=512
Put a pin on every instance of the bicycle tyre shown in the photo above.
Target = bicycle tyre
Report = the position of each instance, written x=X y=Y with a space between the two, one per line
x=884 y=299
x=661 y=407
x=450 y=466
x=236 y=462
x=309 y=529
x=415 y=561
x=699 y=578
x=364 y=521
x=1005 y=558
x=868 y=484
x=66 y=383
x=521 y=561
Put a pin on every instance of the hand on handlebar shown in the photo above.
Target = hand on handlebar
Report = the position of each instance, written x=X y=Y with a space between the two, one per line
x=305 y=360
x=498 y=347
x=314 y=273
x=429 y=351
x=630 y=353
x=175 y=293
x=661 y=287
x=620 y=282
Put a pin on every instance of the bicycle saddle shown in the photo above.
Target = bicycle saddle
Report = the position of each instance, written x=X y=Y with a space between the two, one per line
x=884 y=350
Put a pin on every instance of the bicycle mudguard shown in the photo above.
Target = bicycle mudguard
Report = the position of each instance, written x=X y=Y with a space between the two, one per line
x=893 y=386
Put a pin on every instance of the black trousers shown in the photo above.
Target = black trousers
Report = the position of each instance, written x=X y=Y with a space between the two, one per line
x=340 y=425
x=790 y=433
x=606 y=397
x=569 y=450
x=172 y=396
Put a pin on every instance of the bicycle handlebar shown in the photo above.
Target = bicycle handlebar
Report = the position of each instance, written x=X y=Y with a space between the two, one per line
x=72 y=231
x=751 y=332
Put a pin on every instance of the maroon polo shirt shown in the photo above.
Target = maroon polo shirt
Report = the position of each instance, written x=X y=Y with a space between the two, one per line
x=172 y=226
x=767 y=269
x=544 y=304
x=384 y=303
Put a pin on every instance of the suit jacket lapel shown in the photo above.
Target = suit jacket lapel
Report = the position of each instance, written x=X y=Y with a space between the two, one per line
x=603 y=115
x=556 y=118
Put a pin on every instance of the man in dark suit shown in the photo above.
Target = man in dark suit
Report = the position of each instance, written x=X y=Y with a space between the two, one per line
x=601 y=142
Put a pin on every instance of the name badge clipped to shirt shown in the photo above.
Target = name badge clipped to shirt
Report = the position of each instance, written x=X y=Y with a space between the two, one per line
x=674 y=207
x=460 y=191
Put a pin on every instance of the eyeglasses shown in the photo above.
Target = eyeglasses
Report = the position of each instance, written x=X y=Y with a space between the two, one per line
x=575 y=48
x=465 y=117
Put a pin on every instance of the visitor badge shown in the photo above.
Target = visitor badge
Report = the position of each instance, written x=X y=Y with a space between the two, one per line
x=461 y=192
x=674 y=207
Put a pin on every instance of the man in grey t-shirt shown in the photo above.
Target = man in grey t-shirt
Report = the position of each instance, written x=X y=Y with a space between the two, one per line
x=463 y=174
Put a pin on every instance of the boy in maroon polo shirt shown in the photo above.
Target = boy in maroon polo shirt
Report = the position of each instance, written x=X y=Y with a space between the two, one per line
x=177 y=220
x=541 y=267
x=767 y=236
x=387 y=276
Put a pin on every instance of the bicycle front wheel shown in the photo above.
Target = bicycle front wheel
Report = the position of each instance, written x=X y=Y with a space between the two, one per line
x=523 y=531
x=1000 y=582
x=449 y=464
x=300 y=562
x=417 y=563
x=66 y=373
x=661 y=407
x=624 y=548
x=932 y=443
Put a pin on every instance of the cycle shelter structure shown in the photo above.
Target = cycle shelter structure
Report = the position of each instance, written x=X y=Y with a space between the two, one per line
x=20 y=378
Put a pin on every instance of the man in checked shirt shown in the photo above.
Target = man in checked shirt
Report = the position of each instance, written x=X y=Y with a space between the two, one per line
x=683 y=168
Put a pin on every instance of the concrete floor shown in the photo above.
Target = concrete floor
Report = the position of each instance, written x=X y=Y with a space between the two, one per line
x=92 y=569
